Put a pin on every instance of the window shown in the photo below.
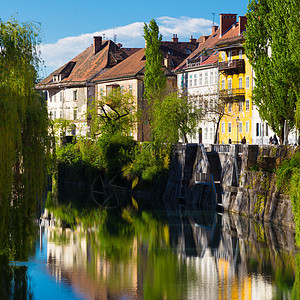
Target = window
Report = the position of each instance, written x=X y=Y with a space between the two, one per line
x=229 y=107
x=54 y=115
x=247 y=105
x=241 y=54
x=211 y=133
x=223 y=56
x=75 y=114
x=240 y=106
x=223 y=84
x=247 y=82
x=247 y=126
x=257 y=129
x=223 y=127
x=74 y=95
x=200 y=79
x=240 y=82
x=122 y=89
x=267 y=129
x=229 y=56
x=195 y=80
x=61 y=114
x=240 y=127
x=216 y=77
x=191 y=80
x=229 y=127
x=205 y=133
x=50 y=115
x=61 y=96
x=229 y=84
x=211 y=77
x=205 y=78
x=130 y=88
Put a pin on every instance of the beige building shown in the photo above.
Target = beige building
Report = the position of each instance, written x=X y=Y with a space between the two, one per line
x=129 y=75
x=69 y=87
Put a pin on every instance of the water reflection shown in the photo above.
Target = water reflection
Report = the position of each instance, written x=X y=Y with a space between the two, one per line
x=191 y=256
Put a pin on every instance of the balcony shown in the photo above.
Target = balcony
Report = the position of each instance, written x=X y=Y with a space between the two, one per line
x=234 y=66
x=195 y=62
x=232 y=95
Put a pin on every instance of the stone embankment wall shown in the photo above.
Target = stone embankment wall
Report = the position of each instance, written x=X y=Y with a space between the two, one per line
x=255 y=193
x=246 y=183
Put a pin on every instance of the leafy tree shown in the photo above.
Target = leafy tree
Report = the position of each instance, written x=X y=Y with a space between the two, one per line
x=155 y=81
x=113 y=114
x=272 y=48
x=23 y=131
x=175 y=116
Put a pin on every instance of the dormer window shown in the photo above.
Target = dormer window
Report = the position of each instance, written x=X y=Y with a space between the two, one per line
x=56 y=78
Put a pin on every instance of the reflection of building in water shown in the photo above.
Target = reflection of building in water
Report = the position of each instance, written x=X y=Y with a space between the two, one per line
x=72 y=261
x=220 y=265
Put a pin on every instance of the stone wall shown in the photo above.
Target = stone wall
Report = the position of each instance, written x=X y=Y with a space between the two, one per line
x=255 y=193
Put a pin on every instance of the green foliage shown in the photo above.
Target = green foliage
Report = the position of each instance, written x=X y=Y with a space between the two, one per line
x=288 y=179
x=112 y=114
x=24 y=141
x=154 y=80
x=175 y=117
x=148 y=163
x=272 y=48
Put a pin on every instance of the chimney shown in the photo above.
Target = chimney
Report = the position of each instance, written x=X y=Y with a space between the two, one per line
x=174 y=38
x=202 y=39
x=167 y=61
x=193 y=40
x=97 y=44
x=119 y=45
x=226 y=20
x=214 y=29
x=242 y=23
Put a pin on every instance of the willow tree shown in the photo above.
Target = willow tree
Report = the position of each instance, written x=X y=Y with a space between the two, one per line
x=272 y=47
x=23 y=130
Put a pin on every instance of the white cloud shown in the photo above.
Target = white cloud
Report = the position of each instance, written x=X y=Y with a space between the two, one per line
x=131 y=35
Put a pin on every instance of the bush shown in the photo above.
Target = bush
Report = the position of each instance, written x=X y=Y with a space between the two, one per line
x=149 y=162
x=288 y=179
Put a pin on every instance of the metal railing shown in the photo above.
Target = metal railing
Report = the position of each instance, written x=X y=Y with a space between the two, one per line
x=237 y=65
x=236 y=94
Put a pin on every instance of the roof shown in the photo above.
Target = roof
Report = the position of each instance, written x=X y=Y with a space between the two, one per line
x=232 y=35
x=87 y=65
x=208 y=44
x=129 y=67
x=135 y=64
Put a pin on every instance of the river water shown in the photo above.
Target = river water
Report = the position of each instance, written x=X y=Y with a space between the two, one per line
x=186 y=256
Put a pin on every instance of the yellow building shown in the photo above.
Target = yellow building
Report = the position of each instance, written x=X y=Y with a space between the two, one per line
x=235 y=83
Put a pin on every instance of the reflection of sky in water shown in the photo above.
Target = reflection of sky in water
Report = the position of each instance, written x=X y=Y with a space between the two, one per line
x=66 y=266
x=43 y=284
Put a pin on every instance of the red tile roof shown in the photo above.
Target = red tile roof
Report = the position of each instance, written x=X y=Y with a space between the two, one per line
x=208 y=44
x=87 y=65
x=231 y=36
x=176 y=51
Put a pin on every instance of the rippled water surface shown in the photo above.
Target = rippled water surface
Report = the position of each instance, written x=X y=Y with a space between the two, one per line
x=189 y=256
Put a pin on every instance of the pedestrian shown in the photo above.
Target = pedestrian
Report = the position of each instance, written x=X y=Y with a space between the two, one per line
x=271 y=140
x=275 y=141
x=244 y=140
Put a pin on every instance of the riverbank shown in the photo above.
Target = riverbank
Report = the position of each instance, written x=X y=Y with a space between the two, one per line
x=236 y=178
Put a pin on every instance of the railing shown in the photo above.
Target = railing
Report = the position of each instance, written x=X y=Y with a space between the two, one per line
x=194 y=62
x=203 y=177
x=232 y=66
x=221 y=148
x=232 y=94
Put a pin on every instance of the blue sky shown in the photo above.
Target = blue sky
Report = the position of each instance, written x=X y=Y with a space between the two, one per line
x=68 y=26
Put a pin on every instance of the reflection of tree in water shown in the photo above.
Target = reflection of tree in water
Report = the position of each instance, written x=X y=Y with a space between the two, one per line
x=14 y=282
